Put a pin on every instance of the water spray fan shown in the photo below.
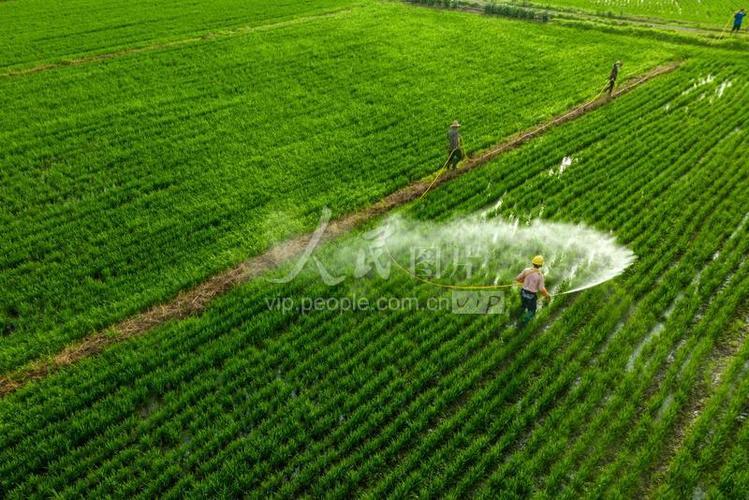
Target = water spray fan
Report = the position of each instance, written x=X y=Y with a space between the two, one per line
x=487 y=254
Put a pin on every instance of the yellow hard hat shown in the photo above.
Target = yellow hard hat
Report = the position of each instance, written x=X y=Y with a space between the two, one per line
x=538 y=260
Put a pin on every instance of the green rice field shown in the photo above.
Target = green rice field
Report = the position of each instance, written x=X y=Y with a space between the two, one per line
x=147 y=147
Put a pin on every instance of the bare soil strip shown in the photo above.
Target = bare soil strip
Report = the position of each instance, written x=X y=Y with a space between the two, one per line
x=193 y=301
x=212 y=35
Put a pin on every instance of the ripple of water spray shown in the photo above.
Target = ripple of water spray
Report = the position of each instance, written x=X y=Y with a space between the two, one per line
x=477 y=250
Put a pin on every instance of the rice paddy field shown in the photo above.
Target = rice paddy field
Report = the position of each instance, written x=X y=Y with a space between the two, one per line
x=148 y=147
x=709 y=13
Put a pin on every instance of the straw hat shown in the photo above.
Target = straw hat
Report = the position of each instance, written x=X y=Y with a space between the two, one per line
x=455 y=124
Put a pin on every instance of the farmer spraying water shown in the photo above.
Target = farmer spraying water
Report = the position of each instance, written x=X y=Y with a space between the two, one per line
x=455 y=145
x=738 y=18
x=532 y=280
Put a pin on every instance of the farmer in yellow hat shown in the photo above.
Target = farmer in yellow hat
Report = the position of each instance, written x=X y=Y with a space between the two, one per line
x=454 y=145
x=532 y=281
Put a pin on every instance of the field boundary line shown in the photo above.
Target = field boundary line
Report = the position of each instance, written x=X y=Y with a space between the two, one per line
x=577 y=14
x=177 y=43
x=194 y=300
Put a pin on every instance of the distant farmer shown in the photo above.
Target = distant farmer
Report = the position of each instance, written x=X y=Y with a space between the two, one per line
x=533 y=282
x=455 y=145
x=738 y=18
x=613 y=76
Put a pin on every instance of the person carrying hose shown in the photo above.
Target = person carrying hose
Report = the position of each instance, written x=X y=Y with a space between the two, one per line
x=455 y=145
x=532 y=280
x=612 y=77
x=738 y=18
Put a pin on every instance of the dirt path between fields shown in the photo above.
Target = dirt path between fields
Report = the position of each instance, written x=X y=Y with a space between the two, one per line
x=196 y=299
x=192 y=39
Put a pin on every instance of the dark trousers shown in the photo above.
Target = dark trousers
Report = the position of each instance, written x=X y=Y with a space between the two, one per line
x=455 y=157
x=528 y=305
x=736 y=27
x=610 y=86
